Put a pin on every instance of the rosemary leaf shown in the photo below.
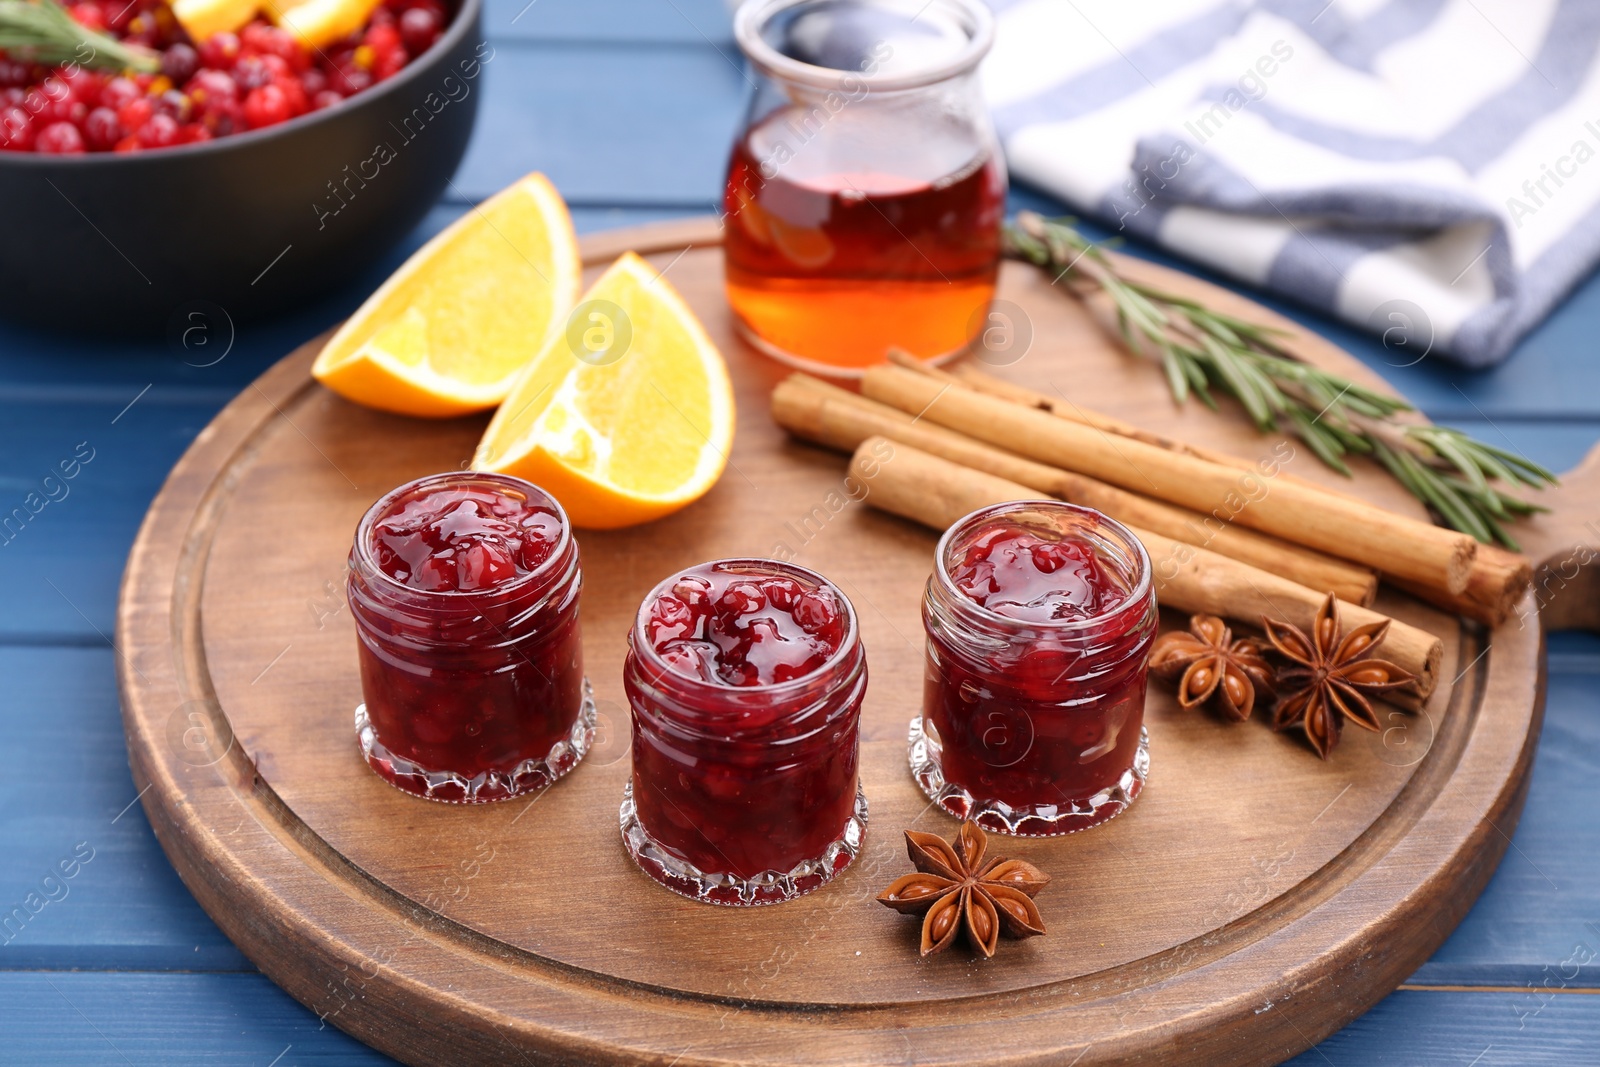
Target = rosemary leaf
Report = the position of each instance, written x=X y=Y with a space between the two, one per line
x=1203 y=351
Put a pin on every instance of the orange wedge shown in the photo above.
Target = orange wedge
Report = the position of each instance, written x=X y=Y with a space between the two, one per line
x=316 y=23
x=205 y=18
x=628 y=415
x=450 y=330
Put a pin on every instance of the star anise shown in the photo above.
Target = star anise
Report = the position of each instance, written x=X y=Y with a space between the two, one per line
x=1209 y=665
x=1334 y=677
x=958 y=888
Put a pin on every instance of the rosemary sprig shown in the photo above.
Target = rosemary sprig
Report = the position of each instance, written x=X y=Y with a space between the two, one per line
x=41 y=31
x=1462 y=480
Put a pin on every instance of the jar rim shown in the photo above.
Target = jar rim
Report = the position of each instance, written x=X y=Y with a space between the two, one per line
x=1134 y=600
x=754 y=16
x=363 y=539
x=852 y=635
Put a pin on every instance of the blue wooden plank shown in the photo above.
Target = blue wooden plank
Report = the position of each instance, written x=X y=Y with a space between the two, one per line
x=643 y=127
x=692 y=22
x=1464 y=1029
x=84 y=883
x=244 y=1020
x=214 y=1020
x=1540 y=915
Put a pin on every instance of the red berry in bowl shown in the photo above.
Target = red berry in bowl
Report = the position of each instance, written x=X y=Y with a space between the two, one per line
x=325 y=98
x=59 y=139
x=299 y=103
x=89 y=15
x=209 y=88
x=135 y=113
x=179 y=62
x=220 y=51
x=101 y=129
x=119 y=91
x=160 y=132
x=419 y=28
x=266 y=106
x=16 y=130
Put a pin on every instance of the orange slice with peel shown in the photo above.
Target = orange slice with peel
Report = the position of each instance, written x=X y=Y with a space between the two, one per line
x=625 y=417
x=451 y=329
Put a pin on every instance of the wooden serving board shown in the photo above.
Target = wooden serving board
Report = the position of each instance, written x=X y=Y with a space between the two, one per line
x=1253 y=900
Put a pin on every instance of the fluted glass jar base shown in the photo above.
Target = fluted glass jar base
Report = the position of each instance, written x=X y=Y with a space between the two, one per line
x=1034 y=820
x=449 y=787
x=768 y=887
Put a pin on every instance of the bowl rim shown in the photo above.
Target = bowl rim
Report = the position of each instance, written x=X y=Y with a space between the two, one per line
x=467 y=15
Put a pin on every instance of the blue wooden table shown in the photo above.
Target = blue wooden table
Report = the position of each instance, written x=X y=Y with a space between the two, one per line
x=629 y=106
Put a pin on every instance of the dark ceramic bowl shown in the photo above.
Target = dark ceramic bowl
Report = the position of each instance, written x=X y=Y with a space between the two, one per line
x=252 y=223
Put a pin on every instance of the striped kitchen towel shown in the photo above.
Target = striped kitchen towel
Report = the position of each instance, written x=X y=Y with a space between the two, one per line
x=1426 y=168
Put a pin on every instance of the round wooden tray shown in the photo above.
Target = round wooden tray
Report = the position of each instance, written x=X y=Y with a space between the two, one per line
x=1253 y=900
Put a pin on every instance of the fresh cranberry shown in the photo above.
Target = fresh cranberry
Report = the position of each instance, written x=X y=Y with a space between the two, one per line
x=59 y=139
x=135 y=113
x=11 y=96
x=179 y=62
x=313 y=81
x=350 y=80
x=419 y=28
x=129 y=143
x=261 y=39
x=211 y=87
x=223 y=118
x=119 y=13
x=220 y=51
x=193 y=133
x=86 y=84
x=119 y=91
x=13 y=73
x=254 y=71
x=102 y=130
x=159 y=132
x=266 y=106
x=325 y=98
x=299 y=103
x=381 y=38
x=16 y=130
x=176 y=104
x=89 y=15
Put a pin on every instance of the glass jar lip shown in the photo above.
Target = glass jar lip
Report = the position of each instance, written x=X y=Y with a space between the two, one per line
x=660 y=668
x=753 y=16
x=1136 y=595
x=543 y=570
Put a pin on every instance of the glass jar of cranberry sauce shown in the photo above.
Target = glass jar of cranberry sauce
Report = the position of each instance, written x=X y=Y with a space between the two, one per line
x=745 y=677
x=464 y=589
x=1040 y=616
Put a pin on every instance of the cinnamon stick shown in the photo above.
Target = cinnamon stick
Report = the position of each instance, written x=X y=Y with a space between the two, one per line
x=1495 y=584
x=988 y=384
x=936 y=492
x=1430 y=556
x=1498 y=576
x=817 y=411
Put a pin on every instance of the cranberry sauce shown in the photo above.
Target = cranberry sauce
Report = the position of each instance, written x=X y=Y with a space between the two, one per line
x=1026 y=577
x=1040 y=618
x=464 y=589
x=746 y=679
x=464 y=538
